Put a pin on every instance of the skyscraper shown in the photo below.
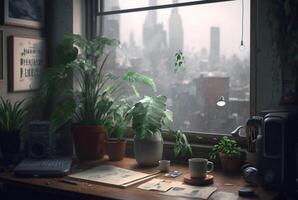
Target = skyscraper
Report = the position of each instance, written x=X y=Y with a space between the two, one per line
x=175 y=31
x=111 y=27
x=154 y=40
x=214 y=56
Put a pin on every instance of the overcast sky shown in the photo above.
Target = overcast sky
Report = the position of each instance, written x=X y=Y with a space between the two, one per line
x=197 y=21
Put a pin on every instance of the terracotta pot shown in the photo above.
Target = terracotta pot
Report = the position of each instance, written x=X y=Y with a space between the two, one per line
x=230 y=164
x=115 y=149
x=10 y=143
x=88 y=141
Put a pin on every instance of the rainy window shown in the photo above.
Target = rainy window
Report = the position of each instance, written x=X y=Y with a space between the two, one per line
x=215 y=41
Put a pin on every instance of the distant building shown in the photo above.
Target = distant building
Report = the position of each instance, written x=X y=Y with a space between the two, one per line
x=214 y=56
x=154 y=40
x=175 y=31
x=111 y=26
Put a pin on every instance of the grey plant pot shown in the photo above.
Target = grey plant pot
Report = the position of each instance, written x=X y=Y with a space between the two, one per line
x=148 y=151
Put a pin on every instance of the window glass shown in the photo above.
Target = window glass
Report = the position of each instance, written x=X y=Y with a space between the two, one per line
x=209 y=36
x=112 y=5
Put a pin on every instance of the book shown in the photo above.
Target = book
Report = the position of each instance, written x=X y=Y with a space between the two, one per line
x=112 y=175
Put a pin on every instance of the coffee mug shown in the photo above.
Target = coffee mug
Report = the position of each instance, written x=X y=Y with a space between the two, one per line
x=199 y=167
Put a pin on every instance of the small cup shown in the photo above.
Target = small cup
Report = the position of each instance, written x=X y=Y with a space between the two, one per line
x=164 y=165
x=199 y=167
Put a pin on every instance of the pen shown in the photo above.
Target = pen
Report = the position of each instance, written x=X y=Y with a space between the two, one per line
x=68 y=181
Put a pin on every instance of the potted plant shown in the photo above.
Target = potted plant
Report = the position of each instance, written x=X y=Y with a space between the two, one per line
x=115 y=127
x=229 y=154
x=149 y=116
x=90 y=103
x=11 y=123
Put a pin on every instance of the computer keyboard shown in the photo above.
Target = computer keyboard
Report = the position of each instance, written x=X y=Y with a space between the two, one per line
x=44 y=167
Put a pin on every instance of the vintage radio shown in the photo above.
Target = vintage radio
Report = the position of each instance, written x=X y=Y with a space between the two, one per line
x=40 y=141
x=278 y=150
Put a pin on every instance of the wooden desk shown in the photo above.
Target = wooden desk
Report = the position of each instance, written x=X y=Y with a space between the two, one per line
x=84 y=190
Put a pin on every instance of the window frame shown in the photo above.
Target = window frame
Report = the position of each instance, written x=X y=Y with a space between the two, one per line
x=195 y=138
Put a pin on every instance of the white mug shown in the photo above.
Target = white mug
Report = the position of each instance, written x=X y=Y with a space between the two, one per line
x=164 y=165
x=199 y=167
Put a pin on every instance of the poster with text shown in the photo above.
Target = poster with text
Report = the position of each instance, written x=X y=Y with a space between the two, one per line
x=28 y=61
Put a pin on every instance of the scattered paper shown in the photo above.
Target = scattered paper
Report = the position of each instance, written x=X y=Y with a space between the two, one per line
x=224 y=196
x=159 y=185
x=190 y=191
x=173 y=174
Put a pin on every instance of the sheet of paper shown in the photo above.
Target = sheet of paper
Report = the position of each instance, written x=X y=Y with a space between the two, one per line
x=159 y=185
x=109 y=174
x=224 y=196
x=191 y=191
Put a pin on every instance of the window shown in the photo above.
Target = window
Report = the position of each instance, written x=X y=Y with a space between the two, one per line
x=208 y=33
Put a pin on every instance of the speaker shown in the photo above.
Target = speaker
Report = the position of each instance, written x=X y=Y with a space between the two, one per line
x=40 y=142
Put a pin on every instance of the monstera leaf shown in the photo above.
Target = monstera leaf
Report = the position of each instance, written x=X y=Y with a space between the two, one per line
x=148 y=115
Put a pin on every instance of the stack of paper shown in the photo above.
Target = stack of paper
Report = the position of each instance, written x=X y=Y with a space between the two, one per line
x=112 y=175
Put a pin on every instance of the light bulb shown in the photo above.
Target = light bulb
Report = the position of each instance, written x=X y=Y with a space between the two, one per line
x=242 y=46
x=221 y=102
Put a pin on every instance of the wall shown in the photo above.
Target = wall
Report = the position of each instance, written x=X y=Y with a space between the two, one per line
x=9 y=31
x=268 y=85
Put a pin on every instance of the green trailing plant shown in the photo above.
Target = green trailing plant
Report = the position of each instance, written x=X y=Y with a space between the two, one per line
x=95 y=93
x=11 y=115
x=227 y=146
x=150 y=115
x=182 y=147
x=179 y=61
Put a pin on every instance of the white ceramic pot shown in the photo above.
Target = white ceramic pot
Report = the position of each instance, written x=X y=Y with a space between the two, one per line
x=148 y=151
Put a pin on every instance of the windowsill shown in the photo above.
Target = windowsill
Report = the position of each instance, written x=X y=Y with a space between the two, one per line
x=198 y=150
x=197 y=138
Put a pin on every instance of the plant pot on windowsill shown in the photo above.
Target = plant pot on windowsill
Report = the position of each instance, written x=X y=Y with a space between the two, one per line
x=229 y=153
x=115 y=149
x=230 y=164
x=88 y=141
x=148 y=150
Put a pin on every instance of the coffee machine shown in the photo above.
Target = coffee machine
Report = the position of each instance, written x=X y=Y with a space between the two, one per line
x=277 y=148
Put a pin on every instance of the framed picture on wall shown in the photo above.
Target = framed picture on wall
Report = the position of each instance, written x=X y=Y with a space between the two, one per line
x=27 y=13
x=26 y=61
x=1 y=55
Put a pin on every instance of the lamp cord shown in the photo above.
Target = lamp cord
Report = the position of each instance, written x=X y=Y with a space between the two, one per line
x=242 y=22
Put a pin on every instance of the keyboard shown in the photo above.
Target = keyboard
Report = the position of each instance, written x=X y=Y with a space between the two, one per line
x=50 y=167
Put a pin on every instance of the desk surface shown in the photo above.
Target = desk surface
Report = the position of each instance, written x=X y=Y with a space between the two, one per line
x=95 y=190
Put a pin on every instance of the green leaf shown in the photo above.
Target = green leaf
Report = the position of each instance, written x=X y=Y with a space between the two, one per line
x=227 y=146
x=134 y=77
x=182 y=147
x=12 y=115
x=63 y=112
x=148 y=115
x=179 y=61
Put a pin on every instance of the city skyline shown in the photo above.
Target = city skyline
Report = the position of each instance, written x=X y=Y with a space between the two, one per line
x=196 y=31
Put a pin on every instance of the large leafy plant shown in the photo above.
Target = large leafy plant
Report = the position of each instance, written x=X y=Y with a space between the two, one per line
x=150 y=115
x=226 y=146
x=92 y=100
x=11 y=115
